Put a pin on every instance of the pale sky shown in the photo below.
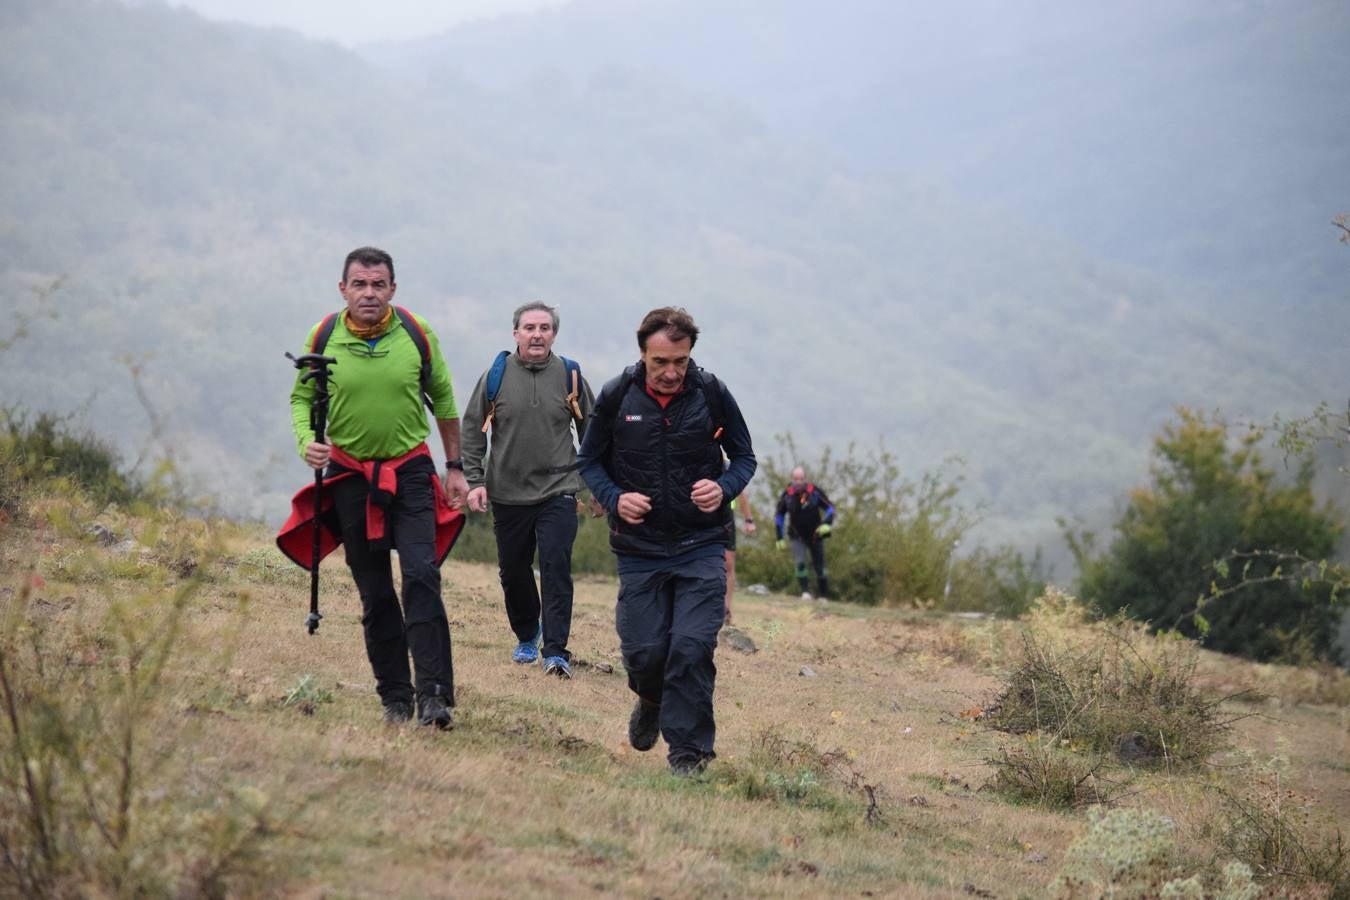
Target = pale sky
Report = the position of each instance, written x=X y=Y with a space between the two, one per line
x=354 y=22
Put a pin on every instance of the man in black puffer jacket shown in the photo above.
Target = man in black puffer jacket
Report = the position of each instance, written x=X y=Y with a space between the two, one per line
x=652 y=456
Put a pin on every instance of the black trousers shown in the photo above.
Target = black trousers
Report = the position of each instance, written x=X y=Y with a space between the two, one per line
x=420 y=626
x=551 y=527
x=668 y=622
x=815 y=548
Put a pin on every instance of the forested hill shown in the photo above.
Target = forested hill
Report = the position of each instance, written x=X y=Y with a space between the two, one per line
x=197 y=186
x=1195 y=138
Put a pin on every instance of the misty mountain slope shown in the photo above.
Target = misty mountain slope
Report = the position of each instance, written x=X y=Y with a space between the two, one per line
x=199 y=185
x=1200 y=140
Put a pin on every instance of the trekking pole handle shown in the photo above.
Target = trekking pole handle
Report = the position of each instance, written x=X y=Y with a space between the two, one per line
x=316 y=367
x=312 y=361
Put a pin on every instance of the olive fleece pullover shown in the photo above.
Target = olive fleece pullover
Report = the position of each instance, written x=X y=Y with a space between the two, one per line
x=529 y=454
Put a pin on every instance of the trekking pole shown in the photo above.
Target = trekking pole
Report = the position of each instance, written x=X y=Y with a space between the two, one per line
x=951 y=558
x=317 y=372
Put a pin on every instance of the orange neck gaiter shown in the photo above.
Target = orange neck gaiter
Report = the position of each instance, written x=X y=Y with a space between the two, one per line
x=367 y=332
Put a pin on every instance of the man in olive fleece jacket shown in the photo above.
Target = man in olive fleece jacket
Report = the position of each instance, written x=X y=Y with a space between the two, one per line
x=520 y=455
x=376 y=414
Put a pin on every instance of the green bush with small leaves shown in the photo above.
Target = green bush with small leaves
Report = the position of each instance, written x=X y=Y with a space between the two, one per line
x=1212 y=497
x=895 y=540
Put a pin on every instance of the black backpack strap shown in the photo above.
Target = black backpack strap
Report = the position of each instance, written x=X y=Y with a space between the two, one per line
x=323 y=333
x=717 y=407
x=611 y=395
x=419 y=337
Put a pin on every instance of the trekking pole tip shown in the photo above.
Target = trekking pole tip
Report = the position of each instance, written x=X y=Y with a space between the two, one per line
x=312 y=621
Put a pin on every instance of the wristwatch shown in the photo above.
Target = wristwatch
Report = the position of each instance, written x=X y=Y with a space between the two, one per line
x=456 y=463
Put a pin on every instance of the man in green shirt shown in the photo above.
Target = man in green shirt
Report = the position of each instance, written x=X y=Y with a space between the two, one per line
x=526 y=468
x=384 y=485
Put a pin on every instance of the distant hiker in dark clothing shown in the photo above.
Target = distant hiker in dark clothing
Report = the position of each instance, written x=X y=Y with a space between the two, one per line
x=652 y=456
x=384 y=486
x=809 y=516
x=519 y=454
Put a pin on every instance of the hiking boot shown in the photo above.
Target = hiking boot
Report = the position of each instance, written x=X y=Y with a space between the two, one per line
x=396 y=712
x=556 y=665
x=688 y=766
x=644 y=725
x=436 y=712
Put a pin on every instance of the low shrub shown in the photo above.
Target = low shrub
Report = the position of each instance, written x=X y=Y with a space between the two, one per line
x=1128 y=853
x=1269 y=827
x=307 y=695
x=46 y=448
x=796 y=772
x=1111 y=688
x=1049 y=774
x=1123 y=853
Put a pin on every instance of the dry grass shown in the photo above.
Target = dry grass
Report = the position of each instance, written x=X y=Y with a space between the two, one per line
x=862 y=780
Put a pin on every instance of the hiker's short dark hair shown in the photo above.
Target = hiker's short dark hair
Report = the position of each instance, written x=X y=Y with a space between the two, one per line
x=534 y=306
x=369 y=257
x=675 y=321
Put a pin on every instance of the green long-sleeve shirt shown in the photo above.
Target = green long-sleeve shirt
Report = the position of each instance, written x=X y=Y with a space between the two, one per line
x=376 y=409
x=532 y=454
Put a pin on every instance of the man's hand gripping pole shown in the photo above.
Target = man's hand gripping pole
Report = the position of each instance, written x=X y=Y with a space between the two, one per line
x=316 y=370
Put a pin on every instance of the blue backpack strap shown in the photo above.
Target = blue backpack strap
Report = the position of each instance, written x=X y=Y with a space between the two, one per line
x=494 y=385
x=573 y=384
x=419 y=337
x=495 y=373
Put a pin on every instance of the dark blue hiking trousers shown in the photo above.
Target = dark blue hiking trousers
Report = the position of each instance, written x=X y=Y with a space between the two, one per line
x=668 y=619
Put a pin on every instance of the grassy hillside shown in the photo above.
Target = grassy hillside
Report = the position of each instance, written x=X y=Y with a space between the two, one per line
x=259 y=764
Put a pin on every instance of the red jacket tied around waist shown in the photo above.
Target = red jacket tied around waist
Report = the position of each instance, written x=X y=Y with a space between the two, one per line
x=296 y=537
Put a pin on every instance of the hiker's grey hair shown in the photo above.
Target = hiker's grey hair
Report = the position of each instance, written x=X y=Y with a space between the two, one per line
x=534 y=306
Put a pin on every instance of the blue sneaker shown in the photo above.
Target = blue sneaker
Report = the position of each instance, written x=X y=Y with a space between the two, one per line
x=556 y=665
x=528 y=651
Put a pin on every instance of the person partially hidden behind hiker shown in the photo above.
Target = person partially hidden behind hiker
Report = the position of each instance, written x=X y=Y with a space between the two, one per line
x=809 y=516
x=519 y=455
x=652 y=456
x=740 y=504
x=383 y=484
